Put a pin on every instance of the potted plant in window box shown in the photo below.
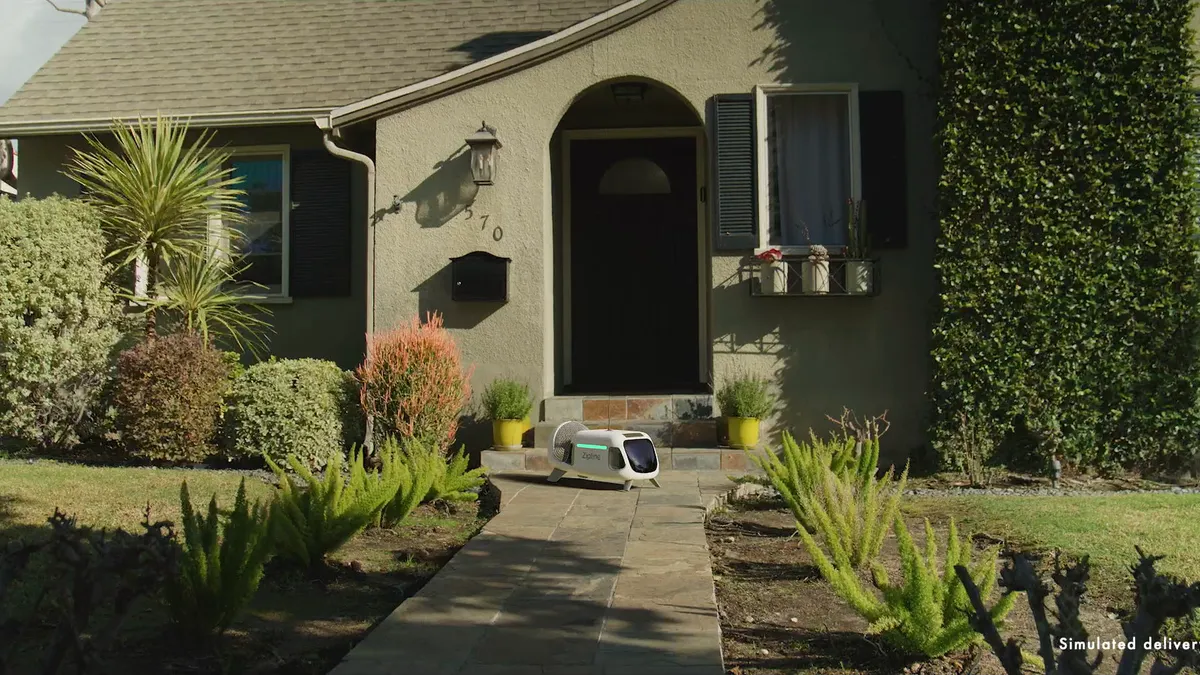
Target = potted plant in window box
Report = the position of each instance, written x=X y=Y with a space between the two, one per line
x=860 y=272
x=815 y=270
x=744 y=401
x=772 y=272
x=507 y=403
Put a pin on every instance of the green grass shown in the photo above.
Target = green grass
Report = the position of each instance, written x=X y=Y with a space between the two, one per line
x=107 y=496
x=1104 y=527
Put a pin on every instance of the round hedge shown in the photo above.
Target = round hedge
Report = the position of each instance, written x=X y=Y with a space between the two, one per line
x=58 y=319
x=304 y=407
x=1069 y=304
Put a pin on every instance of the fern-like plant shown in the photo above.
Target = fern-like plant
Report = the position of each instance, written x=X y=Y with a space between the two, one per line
x=313 y=517
x=853 y=516
x=927 y=612
x=416 y=473
x=798 y=470
x=454 y=483
x=220 y=565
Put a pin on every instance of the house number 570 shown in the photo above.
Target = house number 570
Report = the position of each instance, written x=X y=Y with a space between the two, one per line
x=497 y=232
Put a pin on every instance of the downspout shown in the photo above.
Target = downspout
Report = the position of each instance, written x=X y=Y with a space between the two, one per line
x=369 y=165
x=329 y=133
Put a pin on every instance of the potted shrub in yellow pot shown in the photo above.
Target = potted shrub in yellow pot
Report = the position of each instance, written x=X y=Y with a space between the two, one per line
x=507 y=403
x=744 y=400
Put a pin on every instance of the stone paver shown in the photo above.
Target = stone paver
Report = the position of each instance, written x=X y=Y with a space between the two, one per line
x=573 y=578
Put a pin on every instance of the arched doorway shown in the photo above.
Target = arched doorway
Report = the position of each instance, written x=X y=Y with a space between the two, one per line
x=630 y=232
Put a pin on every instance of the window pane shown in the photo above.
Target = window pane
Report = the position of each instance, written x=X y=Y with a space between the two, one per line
x=262 y=242
x=808 y=137
x=634 y=176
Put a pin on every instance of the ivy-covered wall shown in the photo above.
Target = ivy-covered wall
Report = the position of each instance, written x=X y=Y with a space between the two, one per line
x=1068 y=300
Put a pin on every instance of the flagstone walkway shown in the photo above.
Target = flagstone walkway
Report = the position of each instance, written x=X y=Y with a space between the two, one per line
x=573 y=578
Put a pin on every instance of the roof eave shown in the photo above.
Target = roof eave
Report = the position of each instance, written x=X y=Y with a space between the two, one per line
x=26 y=128
x=497 y=66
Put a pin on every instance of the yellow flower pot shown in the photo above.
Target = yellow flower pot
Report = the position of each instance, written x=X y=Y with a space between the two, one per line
x=743 y=432
x=506 y=434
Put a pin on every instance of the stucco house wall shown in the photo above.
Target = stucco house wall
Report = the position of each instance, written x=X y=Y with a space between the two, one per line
x=324 y=328
x=867 y=353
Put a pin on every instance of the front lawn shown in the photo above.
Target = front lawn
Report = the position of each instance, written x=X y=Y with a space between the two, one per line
x=293 y=624
x=1104 y=527
x=107 y=496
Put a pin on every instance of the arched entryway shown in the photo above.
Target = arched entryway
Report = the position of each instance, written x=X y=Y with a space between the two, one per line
x=631 y=269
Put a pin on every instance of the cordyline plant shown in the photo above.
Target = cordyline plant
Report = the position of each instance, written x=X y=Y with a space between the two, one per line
x=156 y=192
x=196 y=292
x=412 y=383
x=1158 y=599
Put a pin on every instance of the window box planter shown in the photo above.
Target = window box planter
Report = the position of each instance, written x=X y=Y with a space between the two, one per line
x=773 y=277
x=814 y=277
x=860 y=277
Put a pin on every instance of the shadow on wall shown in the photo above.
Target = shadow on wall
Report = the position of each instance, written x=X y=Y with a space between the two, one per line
x=445 y=192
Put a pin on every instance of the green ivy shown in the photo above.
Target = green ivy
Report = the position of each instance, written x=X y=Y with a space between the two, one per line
x=1066 y=259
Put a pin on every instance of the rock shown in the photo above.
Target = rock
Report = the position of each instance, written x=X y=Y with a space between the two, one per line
x=794 y=620
x=764 y=652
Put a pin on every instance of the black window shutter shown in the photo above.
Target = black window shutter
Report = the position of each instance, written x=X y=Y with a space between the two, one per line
x=735 y=172
x=884 y=170
x=320 y=225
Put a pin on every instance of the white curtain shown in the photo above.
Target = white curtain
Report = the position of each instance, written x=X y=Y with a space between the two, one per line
x=811 y=148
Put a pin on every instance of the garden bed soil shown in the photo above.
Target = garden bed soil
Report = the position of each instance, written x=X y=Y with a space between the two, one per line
x=300 y=626
x=779 y=617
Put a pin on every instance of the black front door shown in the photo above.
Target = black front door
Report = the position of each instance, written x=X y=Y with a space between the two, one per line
x=634 y=273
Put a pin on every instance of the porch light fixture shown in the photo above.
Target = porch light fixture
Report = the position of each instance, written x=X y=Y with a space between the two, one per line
x=483 y=144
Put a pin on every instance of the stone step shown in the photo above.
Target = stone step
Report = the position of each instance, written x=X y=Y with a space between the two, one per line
x=669 y=459
x=699 y=433
x=663 y=408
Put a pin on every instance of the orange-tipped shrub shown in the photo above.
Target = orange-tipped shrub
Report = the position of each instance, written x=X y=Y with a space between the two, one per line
x=412 y=383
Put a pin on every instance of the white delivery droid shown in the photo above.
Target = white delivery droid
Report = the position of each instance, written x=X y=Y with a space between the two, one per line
x=602 y=453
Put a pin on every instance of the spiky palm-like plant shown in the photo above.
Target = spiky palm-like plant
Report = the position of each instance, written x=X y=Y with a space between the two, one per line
x=221 y=563
x=156 y=192
x=927 y=612
x=313 y=517
x=196 y=291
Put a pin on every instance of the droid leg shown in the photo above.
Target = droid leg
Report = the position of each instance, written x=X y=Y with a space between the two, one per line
x=555 y=475
x=628 y=484
x=654 y=482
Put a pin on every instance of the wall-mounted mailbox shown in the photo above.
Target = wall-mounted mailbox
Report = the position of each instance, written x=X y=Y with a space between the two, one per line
x=479 y=276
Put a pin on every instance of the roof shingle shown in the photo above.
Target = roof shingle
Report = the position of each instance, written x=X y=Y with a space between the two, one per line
x=178 y=57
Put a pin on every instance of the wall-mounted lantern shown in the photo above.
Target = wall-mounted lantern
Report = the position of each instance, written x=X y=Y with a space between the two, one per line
x=483 y=144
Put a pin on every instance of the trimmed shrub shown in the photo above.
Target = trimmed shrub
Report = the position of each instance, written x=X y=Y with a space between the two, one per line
x=412 y=383
x=58 y=319
x=1067 y=268
x=301 y=407
x=507 y=400
x=169 y=393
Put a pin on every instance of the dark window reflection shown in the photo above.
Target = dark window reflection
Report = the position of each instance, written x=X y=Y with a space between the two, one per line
x=642 y=458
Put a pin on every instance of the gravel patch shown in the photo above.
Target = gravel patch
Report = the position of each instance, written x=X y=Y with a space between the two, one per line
x=1042 y=491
